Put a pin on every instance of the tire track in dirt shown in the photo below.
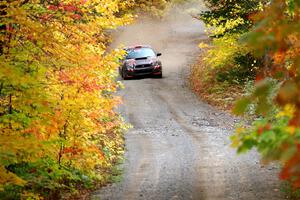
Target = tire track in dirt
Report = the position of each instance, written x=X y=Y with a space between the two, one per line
x=183 y=124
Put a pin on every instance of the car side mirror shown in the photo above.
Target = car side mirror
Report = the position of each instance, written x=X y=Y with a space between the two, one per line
x=158 y=54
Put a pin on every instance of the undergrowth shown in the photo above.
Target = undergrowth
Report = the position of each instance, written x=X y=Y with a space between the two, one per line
x=204 y=83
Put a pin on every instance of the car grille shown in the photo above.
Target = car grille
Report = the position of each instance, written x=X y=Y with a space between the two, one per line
x=141 y=71
x=143 y=66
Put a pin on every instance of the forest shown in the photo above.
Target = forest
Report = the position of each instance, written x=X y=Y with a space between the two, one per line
x=60 y=132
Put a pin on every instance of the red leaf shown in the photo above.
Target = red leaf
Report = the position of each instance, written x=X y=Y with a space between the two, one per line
x=69 y=8
x=260 y=130
x=52 y=7
x=259 y=78
x=76 y=16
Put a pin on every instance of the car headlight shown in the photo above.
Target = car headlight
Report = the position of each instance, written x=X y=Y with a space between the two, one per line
x=130 y=66
x=155 y=63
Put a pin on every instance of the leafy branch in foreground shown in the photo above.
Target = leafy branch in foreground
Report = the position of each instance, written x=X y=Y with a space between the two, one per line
x=276 y=37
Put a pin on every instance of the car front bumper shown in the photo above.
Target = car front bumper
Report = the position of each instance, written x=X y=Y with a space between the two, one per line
x=143 y=71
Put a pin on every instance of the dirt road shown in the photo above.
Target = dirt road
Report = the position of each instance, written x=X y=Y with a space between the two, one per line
x=179 y=146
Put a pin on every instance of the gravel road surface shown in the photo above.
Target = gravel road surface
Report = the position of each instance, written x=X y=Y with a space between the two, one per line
x=179 y=147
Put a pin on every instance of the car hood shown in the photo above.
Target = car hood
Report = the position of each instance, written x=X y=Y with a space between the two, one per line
x=143 y=61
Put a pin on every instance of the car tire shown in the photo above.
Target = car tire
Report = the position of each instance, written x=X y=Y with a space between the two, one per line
x=158 y=76
x=124 y=75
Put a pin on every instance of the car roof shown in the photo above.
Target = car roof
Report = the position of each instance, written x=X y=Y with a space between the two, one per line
x=137 y=47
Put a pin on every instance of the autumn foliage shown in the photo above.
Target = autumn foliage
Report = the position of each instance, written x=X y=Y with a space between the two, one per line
x=275 y=37
x=255 y=46
x=226 y=65
x=58 y=127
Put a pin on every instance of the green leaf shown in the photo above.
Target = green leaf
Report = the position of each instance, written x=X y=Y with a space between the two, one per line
x=263 y=88
x=248 y=144
x=241 y=106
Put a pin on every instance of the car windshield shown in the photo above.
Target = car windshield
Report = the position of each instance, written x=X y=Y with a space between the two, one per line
x=139 y=53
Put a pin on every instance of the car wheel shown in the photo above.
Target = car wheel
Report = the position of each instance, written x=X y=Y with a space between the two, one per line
x=120 y=72
x=158 y=76
x=124 y=75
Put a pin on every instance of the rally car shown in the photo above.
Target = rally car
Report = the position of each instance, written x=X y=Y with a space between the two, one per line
x=140 y=60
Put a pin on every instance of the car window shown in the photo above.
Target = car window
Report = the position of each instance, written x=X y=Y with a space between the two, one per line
x=139 y=53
